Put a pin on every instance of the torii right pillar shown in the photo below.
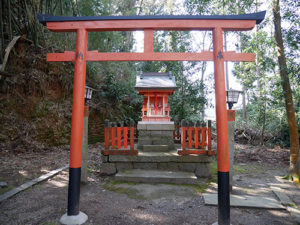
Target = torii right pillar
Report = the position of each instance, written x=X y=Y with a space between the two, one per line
x=222 y=129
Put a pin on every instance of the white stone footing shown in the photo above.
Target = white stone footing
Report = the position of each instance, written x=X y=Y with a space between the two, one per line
x=81 y=218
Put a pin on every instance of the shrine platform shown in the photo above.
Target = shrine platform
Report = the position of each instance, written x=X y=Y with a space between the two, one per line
x=157 y=162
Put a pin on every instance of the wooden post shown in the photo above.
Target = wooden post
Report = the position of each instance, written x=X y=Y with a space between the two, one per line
x=222 y=129
x=203 y=136
x=183 y=136
x=77 y=125
x=131 y=135
x=125 y=136
x=209 y=137
x=113 y=135
x=197 y=128
x=190 y=131
x=119 y=128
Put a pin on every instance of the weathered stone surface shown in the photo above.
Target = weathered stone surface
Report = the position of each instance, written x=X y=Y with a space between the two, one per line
x=245 y=201
x=202 y=170
x=155 y=148
x=146 y=166
x=155 y=126
x=157 y=176
x=104 y=158
x=173 y=166
x=188 y=167
x=192 y=158
x=107 y=169
x=171 y=156
x=124 y=165
x=3 y=184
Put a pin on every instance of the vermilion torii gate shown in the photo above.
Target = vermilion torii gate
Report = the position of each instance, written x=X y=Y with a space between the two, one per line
x=82 y=25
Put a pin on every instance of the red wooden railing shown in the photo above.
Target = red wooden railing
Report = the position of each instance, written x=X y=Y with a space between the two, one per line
x=119 y=139
x=196 y=139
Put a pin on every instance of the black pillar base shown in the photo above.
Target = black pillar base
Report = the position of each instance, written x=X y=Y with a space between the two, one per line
x=74 y=191
x=223 y=198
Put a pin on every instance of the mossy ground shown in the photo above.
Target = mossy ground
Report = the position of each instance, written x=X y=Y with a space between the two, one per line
x=129 y=191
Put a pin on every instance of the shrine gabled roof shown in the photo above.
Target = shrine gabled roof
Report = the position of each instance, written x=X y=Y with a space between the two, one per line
x=155 y=81
x=259 y=17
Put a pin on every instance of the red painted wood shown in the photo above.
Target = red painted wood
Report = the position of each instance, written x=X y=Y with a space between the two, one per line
x=155 y=56
x=196 y=137
x=190 y=134
x=130 y=25
x=119 y=152
x=125 y=132
x=78 y=99
x=221 y=111
x=155 y=104
x=183 y=137
x=119 y=137
x=148 y=40
x=131 y=138
x=231 y=115
x=188 y=152
x=113 y=135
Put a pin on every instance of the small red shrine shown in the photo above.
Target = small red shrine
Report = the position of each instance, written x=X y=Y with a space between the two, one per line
x=156 y=89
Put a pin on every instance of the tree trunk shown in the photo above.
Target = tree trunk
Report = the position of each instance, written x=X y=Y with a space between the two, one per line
x=1 y=33
x=294 y=138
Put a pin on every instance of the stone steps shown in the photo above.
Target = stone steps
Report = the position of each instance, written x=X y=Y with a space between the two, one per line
x=155 y=148
x=171 y=156
x=156 y=176
x=162 y=161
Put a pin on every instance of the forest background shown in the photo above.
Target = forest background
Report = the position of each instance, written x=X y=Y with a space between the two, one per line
x=36 y=96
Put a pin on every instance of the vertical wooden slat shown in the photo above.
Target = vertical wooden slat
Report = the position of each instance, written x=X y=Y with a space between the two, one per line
x=113 y=133
x=125 y=130
x=119 y=128
x=209 y=137
x=191 y=129
x=203 y=136
x=183 y=136
x=131 y=135
x=197 y=126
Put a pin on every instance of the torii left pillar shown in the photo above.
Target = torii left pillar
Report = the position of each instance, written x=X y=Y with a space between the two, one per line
x=73 y=215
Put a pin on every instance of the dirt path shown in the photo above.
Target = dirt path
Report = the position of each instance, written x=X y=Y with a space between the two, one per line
x=140 y=204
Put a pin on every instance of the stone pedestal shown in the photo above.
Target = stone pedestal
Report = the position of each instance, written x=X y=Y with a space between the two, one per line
x=155 y=133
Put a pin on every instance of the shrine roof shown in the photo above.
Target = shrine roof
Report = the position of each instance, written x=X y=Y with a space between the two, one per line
x=259 y=16
x=155 y=81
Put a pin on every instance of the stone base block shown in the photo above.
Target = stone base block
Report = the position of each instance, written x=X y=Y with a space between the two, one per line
x=200 y=169
x=155 y=133
x=107 y=169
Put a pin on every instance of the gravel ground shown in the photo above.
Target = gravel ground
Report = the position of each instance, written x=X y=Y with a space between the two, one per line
x=46 y=202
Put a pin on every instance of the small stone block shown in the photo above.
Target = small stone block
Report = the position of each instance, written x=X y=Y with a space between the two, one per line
x=202 y=170
x=104 y=158
x=150 y=166
x=125 y=166
x=188 y=167
x=107 y=169
x=173 y=166
x=155 y=148
x=3 y=184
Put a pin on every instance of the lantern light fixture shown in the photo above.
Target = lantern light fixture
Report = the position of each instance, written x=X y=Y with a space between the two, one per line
x=232 y=97
x=88 y=93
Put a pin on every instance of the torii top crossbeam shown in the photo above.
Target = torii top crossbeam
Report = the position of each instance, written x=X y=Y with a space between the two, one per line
x=217 y=24
x=149 y=24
